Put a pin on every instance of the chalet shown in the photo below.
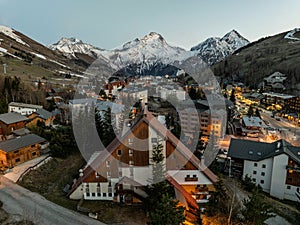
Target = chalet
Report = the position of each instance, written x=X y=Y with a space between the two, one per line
x=274 y=166
x=251 y=125
x=10 y=122
x=121 y=172
x=19 y=150
x=41 y=115
x=23 y=108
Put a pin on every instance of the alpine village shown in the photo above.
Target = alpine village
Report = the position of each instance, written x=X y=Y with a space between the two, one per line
x=132 y=136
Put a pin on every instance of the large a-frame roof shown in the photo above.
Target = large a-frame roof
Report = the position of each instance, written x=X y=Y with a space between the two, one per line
x=151 y=121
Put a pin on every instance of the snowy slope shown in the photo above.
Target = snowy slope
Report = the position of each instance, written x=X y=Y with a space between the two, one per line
x=10 y=32
x=73 y=45
x=148 y=50
x=290 y=35
x=215 y=49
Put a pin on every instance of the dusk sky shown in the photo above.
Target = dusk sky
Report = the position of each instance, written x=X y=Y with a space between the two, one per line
x=111 y=23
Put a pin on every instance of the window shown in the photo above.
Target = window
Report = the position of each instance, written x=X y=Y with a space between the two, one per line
x=93 y=194
x=250 y=152
x=254 y=172
x=109 y=194
x=119 y=152
x=288 y=187
x=253 y=179
x=99 y=194
x=18 y=160
x=263 y=165
x=130 y=141
x=16 y=152
x=263 y=173
x=290 y=179
x=34 y=154
x=194 y=176
x=154 y=140
x=255 y=164
x=130 y=162
x=262 y=181
x=130 y=152
x=104 y=194
x=32 y=146
x=97 y=175
x=107 y=163
x=298 y=190
x=88 y=194
x=188 y=176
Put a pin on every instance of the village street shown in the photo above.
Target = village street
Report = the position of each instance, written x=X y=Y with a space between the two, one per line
x=31 y=206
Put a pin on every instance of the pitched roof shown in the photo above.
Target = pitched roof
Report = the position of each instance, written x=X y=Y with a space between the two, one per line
x=20 y=104
x=257 y=151
x=252 y=121
x=156 y=125
x=21 y=132
x=20 y=142
x=190 y=200
x=9 y=118
x=44 y=114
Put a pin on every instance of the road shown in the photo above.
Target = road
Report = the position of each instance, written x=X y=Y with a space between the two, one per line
x=31 y=206
x=290 y=132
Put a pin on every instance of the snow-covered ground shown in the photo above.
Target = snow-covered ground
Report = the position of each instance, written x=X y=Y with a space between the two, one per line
x=290 y=35
x=3 y=50
x=10 y=32
x=39 y=55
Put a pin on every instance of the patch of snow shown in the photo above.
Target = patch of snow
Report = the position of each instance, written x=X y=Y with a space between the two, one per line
x=10 y=32
x=3 y=50
x=58 y=63
x=39 y=55
x=290 y=35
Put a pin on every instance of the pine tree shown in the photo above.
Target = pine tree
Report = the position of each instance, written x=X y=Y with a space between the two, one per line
x=257 y=113
x=232 y=96
x=250 y=111
x=160 y=203
x=108 y=133
x=166 y=212
x=256 y=210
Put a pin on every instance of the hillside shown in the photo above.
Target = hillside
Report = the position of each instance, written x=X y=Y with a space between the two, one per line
x=261 y=58
x=29 y=59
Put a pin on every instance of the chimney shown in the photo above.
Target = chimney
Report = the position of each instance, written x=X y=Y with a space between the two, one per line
x=202 y=164
x=145 y=108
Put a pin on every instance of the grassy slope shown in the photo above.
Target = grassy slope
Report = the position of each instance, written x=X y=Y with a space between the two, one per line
x=50 y=179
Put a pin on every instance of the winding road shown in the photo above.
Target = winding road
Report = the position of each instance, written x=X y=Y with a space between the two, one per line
x=32 y=206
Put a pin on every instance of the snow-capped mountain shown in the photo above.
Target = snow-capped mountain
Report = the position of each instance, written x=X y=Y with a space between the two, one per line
x=152 y=50
x=215 y=49
x=148 y=50
x=73 y=45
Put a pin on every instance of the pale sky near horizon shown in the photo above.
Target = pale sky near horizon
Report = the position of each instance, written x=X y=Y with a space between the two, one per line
x=111 y=23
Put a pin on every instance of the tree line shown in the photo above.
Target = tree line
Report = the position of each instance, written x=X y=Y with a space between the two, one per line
x=13 y=89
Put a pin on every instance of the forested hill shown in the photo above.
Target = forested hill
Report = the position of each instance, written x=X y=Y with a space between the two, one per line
x=261 y=58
